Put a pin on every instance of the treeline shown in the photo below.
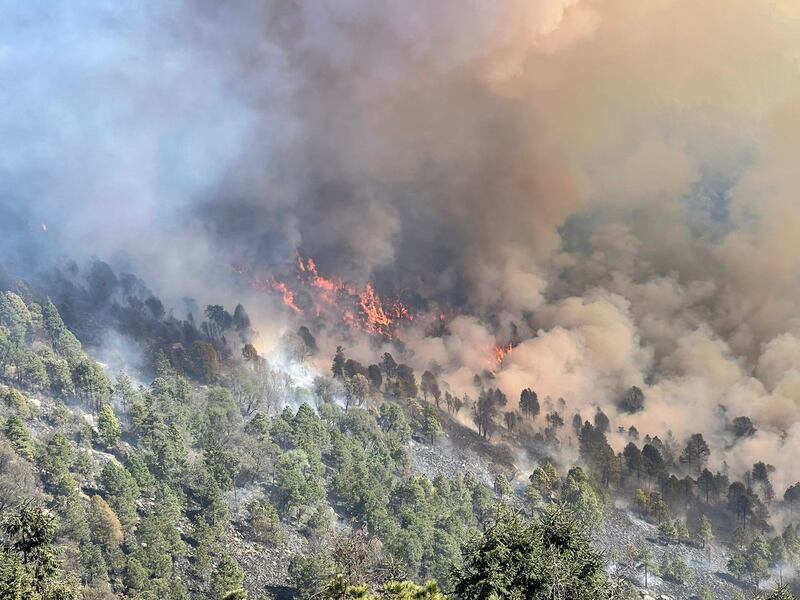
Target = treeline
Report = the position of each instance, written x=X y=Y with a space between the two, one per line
x=93 y=299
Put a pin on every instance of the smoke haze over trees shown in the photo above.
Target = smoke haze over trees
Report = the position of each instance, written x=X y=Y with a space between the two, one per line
x=578 y=214
x=461 y=157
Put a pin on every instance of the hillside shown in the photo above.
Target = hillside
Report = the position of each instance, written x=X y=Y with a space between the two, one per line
x=228 y=470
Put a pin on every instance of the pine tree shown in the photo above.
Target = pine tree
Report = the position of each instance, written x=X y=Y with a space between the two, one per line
x=537 y=560
x=104 y=524
x=18 y=435
x=28 y=564
x=108 y=426
x=227 y=579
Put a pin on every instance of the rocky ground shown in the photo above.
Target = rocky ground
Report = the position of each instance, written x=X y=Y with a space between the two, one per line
x=448 y=460
x=265 y=567
x=623 y=530
x=462 y=451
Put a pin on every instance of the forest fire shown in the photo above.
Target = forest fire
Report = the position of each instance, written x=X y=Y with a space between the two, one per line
x=309 y=268
x=500 y=353
x=286 y=294
x=359 y=308
x=377 y=320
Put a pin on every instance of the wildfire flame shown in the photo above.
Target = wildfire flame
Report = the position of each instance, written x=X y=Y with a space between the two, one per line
x=287 y=295
x=358 y=307
x=317 y=280
x=500 y=353
x=377 y=320
x=270 y=285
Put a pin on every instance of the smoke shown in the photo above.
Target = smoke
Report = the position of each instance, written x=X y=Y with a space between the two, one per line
x=611 y=182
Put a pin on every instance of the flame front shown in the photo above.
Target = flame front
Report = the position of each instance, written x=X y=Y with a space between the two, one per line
x=359 y=308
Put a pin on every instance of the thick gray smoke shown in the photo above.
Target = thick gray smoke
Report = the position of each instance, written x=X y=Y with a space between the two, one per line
x=616 y=178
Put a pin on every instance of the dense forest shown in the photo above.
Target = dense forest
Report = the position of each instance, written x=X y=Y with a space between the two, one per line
x=180 y=486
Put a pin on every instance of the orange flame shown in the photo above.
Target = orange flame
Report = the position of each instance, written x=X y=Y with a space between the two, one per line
x=377 y=321
x=500 y=353
x=358 y=308
x=271 y=285
x=286 y=294
x=400 y=311
x=318 y=281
